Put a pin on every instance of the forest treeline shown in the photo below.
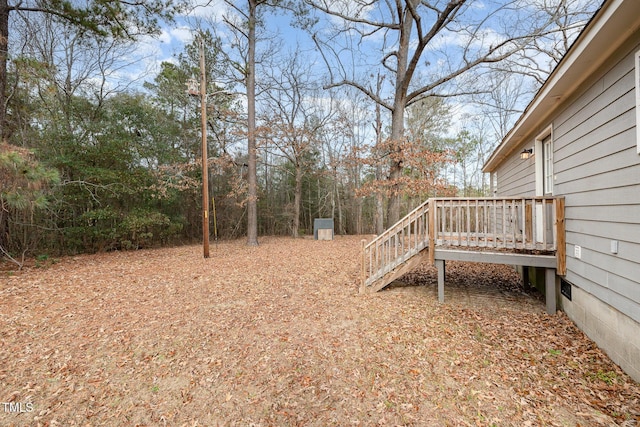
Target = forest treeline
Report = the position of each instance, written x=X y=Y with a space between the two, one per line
x=94 y=159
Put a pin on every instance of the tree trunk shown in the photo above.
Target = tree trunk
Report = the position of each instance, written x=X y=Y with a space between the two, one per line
x=340 y=216
x=252 y=205
x=4 y=49
x=4 y=53
x=379 y=214
x=403 y=78
x=395 y=172
x=333 y=197
x=4 y=226
x=297 y=201
x=379 y=217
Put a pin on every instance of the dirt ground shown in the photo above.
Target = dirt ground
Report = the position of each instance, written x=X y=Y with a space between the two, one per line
x=277 y=335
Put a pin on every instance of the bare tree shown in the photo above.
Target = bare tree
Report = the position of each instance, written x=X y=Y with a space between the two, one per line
x=244 y=20
x=377 y=126
x=429 y=48
x=117 y=19
x=294 y=116
x=56 y=55
x=567 y=18
x=335 y=152
x=252 y=205
x=507 y=96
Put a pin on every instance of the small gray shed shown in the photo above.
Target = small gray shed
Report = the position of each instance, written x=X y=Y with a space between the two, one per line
x=323 y=228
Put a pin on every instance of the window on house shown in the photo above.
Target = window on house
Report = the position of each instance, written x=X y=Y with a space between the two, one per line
x=547 y=165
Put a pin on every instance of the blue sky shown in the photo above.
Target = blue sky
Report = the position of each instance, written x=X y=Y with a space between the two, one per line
x=152 y=51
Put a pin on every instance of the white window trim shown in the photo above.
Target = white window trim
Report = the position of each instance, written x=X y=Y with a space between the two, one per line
x=637 y=66
x=539 y=161
x=547 y=153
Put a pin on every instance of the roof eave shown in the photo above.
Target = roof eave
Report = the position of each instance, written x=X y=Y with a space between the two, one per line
x=614 y=22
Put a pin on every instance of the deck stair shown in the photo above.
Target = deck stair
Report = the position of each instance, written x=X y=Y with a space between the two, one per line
x=522 y=227
x=395 y=252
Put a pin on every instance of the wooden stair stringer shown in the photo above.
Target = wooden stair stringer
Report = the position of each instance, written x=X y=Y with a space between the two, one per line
x=399 y=271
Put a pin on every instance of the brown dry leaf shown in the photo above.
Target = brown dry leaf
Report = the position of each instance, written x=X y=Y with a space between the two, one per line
x=277 y=335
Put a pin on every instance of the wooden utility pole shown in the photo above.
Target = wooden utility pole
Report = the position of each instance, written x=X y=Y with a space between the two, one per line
x=205 y=172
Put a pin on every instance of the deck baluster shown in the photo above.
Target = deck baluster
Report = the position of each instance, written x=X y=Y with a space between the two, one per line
x=468 y=218
x=514 y=222
x=544 y=224
x=445 y=223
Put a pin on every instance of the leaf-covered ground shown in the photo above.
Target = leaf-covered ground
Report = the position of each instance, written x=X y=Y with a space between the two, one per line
x=277 y=335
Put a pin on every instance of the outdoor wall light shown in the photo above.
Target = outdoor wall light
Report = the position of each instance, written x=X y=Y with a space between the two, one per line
x=526 y=153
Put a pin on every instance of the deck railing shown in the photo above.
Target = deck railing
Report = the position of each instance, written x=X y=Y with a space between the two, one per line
x=533 y=224
x=497 y=223
x=396 y=245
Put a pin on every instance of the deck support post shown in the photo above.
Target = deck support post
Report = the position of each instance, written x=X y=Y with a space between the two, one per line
x=432 y=231
x=440 y=265
x=550 y=289
x=525 y=277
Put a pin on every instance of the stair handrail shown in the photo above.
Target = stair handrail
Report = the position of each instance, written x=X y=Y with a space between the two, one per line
x=391 y=230
x=483 y=223
x=390 y=260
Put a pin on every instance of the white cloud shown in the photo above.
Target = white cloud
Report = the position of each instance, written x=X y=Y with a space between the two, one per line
x=147 y=50
x=182 y=34
x=168 y=36
x=164 y=37
x=152 y=51
x=209 y=9
x=350 y=8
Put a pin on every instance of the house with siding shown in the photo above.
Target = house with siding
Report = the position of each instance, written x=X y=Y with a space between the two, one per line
x=579 y=139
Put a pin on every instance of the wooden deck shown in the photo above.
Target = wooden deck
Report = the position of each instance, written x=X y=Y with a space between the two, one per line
x=517 y=231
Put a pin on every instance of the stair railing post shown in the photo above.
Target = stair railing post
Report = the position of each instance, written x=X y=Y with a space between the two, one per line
x=432 y=231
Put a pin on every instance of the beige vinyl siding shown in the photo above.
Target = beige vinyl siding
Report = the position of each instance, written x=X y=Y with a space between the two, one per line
x=591 y=106
x=597 y=169
x=516 y=177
